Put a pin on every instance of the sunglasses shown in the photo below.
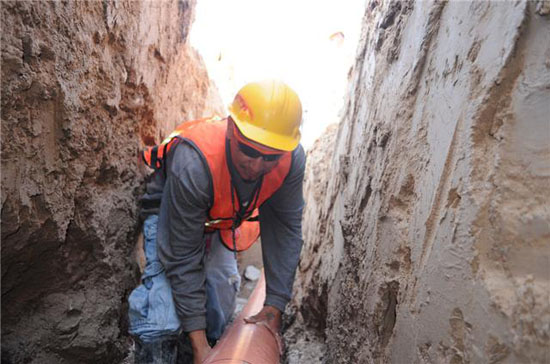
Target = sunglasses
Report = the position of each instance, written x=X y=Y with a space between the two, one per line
x=253 y=153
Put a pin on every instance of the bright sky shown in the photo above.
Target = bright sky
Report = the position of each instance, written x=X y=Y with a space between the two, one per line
x=250 y=40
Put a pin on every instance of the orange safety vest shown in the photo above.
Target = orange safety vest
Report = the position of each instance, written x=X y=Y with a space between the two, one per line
x=208 y=137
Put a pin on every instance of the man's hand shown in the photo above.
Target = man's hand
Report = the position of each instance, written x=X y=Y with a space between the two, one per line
x=270 y=317
x=200 y=346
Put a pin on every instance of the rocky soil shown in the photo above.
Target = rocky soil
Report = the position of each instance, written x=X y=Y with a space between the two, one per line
x=427 y=223
x=85 y=85
x=305 y=318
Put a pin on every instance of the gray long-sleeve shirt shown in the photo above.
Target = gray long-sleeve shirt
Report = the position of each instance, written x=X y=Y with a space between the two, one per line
x=186 y=198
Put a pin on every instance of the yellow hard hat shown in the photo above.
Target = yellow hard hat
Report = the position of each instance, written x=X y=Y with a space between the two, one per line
x=269 y=113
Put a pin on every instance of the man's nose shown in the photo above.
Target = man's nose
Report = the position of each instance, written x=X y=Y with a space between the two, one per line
x=257 y=165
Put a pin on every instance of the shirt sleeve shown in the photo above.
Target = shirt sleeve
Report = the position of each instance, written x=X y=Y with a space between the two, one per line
x=281 y=234
x=183 y=211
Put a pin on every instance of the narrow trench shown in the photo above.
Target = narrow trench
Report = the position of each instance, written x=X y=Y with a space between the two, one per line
x=425 y=127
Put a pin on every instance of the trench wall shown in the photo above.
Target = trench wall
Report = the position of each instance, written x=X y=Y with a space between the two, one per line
x=427 y=226
x=85 y=85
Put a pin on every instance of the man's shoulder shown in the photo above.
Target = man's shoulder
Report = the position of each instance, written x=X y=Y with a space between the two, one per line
x=186 y=161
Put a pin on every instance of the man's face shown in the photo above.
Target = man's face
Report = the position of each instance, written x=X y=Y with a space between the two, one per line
x=249 y=159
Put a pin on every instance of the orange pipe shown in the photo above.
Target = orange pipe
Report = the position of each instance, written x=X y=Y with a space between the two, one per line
x=247 y=343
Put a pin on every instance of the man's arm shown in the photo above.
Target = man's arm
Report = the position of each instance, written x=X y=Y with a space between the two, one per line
x=281 y=232
x=185 y=201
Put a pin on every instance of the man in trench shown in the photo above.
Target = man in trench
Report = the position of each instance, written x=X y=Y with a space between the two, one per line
x=217 y=186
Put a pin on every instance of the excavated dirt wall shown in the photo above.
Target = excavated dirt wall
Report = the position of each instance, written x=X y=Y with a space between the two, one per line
x=427 y=222
x=85 y=84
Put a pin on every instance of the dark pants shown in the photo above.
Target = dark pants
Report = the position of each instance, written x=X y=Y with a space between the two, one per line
x=165 y=350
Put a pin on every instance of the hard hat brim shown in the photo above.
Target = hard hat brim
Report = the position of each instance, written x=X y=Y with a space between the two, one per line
x=265 y=137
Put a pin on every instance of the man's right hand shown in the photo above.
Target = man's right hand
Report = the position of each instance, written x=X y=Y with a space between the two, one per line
x=200 y=346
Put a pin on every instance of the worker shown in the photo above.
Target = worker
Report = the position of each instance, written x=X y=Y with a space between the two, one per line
x=218 y=185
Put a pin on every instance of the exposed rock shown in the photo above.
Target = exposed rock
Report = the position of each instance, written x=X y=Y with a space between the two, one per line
x=85 y=84
x=426 y=224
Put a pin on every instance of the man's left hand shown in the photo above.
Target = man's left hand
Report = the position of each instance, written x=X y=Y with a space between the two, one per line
x=270 y=317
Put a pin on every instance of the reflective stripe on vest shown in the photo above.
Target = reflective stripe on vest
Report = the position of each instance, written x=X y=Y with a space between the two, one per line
x=209 y=137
